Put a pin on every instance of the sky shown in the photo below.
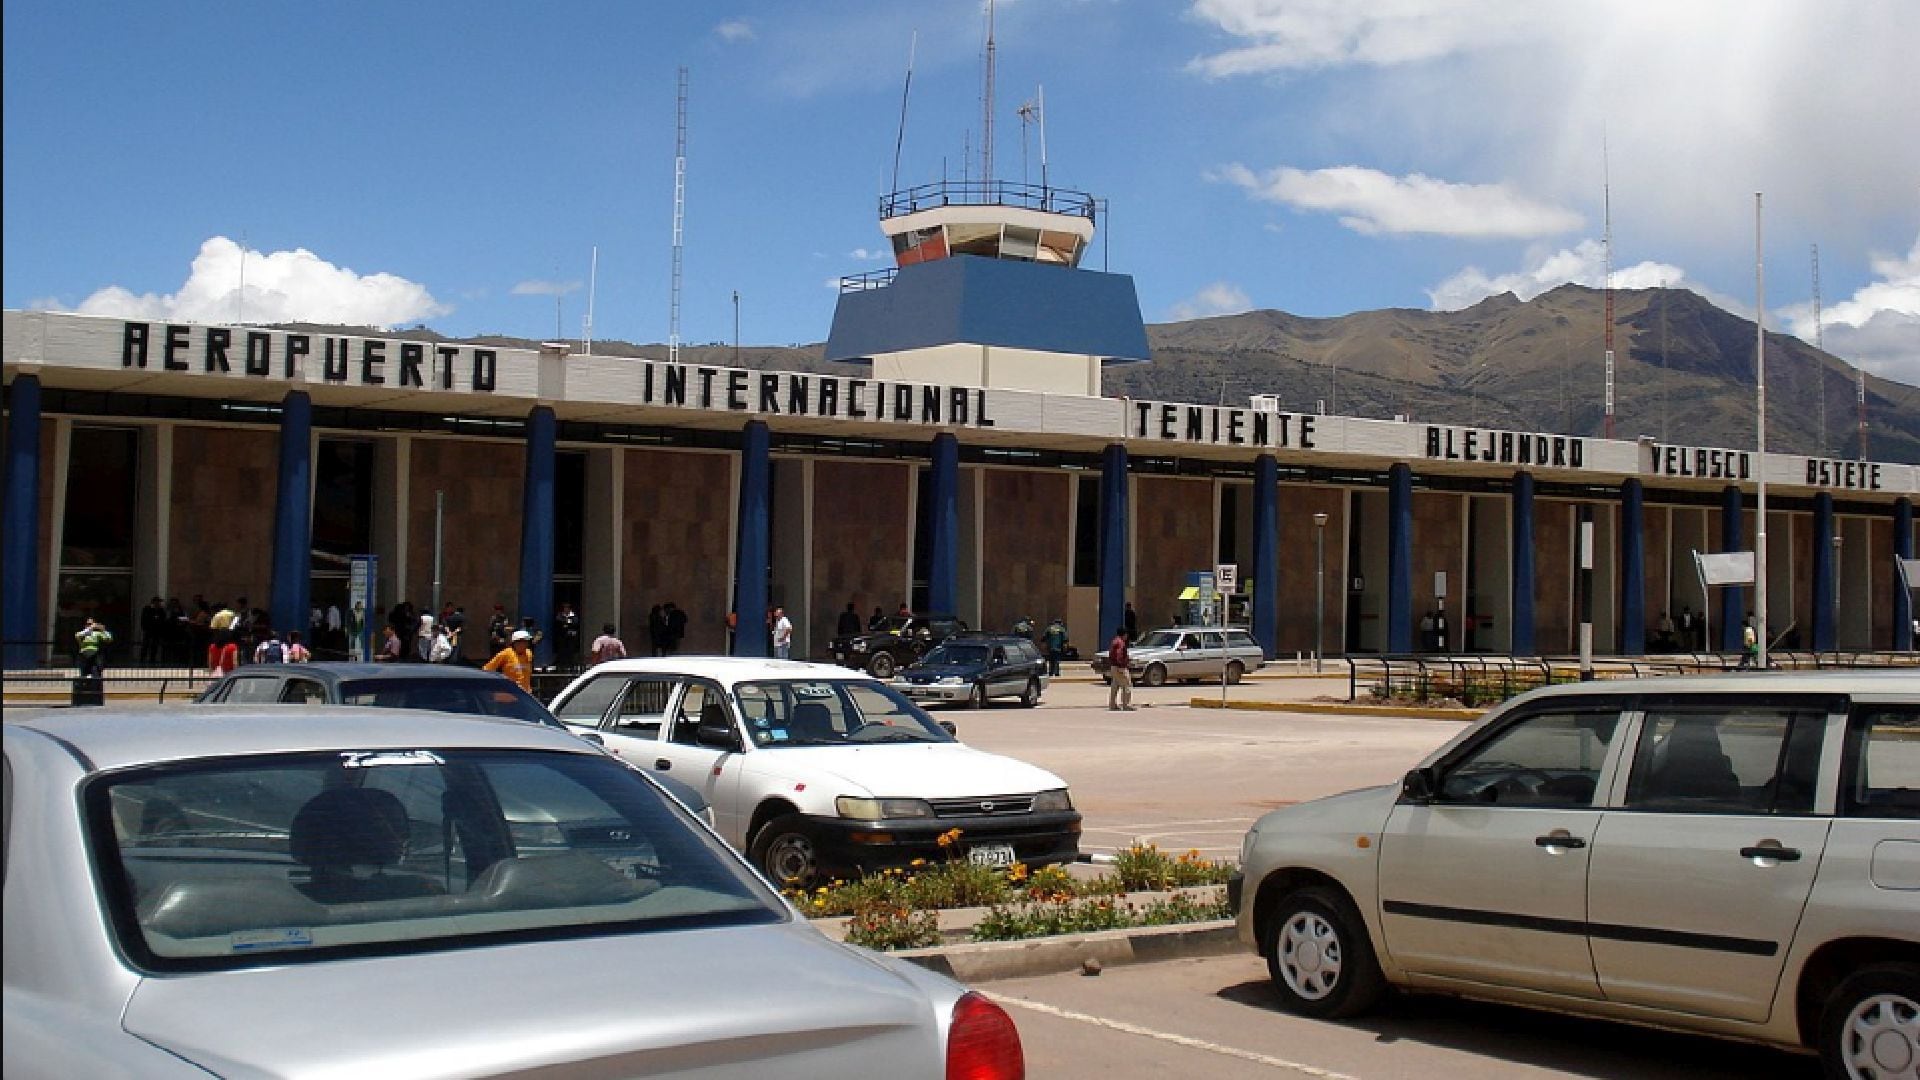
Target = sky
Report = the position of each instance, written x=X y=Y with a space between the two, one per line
x=458 y=165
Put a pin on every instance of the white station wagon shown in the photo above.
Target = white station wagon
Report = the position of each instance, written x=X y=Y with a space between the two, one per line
x=812 y=767
x=1732 y=855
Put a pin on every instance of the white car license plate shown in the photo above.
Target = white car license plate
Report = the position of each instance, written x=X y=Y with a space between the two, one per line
x=991 y=854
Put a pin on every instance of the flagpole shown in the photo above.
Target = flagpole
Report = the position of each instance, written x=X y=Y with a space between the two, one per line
x=1760 y=409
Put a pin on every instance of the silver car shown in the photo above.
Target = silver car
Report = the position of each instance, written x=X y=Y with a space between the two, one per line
x=401 y=893
x=1738 y=856
x=1190 y=653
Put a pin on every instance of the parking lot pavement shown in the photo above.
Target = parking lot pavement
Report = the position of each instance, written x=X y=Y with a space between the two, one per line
x=1217 y=1018
x=1185 y=778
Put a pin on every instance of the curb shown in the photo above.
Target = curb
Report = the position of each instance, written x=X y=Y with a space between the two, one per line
x=977 y=962
x=1335 y=709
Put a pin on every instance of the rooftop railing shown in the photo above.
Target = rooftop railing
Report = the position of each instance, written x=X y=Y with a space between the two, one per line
x=1046 y=199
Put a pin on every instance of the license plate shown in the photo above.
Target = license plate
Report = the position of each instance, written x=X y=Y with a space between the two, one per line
x=991 y=855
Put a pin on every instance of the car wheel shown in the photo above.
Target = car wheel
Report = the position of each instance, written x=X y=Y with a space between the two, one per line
x=978 y=699
x=881 y=666
x=1031 y=695
x=1235 y=669
x=1870 y=1027
x=1319 y=956
x=1155 y=675
x=784 y=850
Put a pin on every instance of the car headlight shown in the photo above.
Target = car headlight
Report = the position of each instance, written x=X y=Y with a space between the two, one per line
x=1052 y=801
x=858 y=646
x=951 y=680
x=849 y=806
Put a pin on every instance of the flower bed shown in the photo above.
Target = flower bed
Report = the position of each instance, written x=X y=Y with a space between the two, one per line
x=896 y=909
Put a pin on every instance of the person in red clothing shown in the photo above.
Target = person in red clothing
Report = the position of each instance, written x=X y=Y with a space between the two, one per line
x=1119 y=673
x=516 y=660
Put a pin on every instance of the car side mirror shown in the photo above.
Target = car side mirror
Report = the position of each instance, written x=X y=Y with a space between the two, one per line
x=1420 y=786
x=717 y=735
x=950 y=728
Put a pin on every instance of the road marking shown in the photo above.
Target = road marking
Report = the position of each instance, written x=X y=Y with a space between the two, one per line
x=1169 y=1037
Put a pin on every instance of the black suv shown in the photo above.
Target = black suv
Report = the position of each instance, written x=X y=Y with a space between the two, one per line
x=976 y=668
x=901 y=641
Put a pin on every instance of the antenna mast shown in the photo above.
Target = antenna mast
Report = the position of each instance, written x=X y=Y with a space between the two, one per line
x=679 y=218
x=1860 y=402
x=899 y=139
x=1606 y=246
x=593 y=281
x=1819 y=342
x=986 y=108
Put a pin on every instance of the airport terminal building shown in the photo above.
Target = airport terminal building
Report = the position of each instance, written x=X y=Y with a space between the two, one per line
x=974 y=466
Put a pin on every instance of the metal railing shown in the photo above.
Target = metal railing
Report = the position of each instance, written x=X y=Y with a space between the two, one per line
x=1477 y=680
x=1051 y=200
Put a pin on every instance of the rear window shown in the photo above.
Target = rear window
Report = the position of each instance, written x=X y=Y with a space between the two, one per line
x=482 y=695
x=1883 y=749
x=290 y=858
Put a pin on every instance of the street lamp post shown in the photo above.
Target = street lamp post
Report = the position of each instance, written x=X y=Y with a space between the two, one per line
x=1319 y=586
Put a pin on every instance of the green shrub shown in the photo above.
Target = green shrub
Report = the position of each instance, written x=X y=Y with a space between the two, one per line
x=888 y=924
x=1145 y=866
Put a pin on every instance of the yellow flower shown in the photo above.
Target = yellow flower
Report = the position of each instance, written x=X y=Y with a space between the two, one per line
x=919 y=862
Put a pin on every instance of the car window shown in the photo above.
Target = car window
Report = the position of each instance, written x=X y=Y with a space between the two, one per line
x=799 y=713
x=1883 y=754
x=481 y=695
x=588 y=704
x=643 y=706
x=1028 y=653
x=1211 y=640
x=1734 y=758
x=698 y=697
x=1000 y=657
x=303 y=692
x=971 y=655
x=1159 y=639
x=1240 y=639
x=252 y=690
x=294 y=858
x=1545 y=759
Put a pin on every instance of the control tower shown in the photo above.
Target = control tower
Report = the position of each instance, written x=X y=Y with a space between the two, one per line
x=987 y=290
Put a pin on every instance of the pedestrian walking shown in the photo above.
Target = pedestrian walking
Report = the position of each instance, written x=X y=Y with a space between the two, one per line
x=296 y=652
x=499 y=629
x=1749 y=645
x=782 y=634
x=516 y=660
x=1133 y=623
x=608 y=646
x=1119 y=672
x=390 y=646
x=153 y=631
x=657 y=631
x=878 y=620
x=566 y=638
x=423 y=640
x=676 y=627
x=270 y=650
x=849 y=624
x=90 y=646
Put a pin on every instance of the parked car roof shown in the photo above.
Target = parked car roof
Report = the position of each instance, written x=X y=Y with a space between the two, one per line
x=732 y=669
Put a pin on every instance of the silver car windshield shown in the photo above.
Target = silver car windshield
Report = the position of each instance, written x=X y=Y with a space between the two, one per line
x=215 y=864
x=1159 y=639
x=788 y=713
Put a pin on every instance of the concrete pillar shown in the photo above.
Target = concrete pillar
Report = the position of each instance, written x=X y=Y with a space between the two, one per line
x=750 y=568
x=1902 y=597
x=1733 y=611
x=1266 y=547
x=20 y=544
x=291 y=583
x=943 y=572
x=536 y=530
x=1633 y=569
x=1400 y=558
x=1825 y=628
x=1523 y=572
x=1114 y=531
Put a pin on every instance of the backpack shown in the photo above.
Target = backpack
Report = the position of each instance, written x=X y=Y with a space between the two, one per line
x=273 y=653
x=441 y=651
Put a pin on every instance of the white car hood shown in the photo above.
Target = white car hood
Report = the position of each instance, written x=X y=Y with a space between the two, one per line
x=917 y=771
x=757 y=1000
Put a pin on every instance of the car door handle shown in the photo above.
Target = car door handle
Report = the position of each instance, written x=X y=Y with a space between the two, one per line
x=1771 y=851
x=662 y=764
x=1559 y=840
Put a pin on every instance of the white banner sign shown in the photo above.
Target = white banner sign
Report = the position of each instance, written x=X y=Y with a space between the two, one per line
x=1726 y=568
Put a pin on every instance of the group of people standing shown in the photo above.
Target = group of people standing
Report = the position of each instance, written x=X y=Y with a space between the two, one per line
x=666 y=629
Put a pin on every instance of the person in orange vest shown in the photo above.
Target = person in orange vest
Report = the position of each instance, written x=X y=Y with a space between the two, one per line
x=516 y=660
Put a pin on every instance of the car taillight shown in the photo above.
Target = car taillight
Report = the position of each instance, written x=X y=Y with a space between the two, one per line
x=983 y=1044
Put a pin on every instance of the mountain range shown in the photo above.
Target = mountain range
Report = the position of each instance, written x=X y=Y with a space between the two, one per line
x=1683 y=371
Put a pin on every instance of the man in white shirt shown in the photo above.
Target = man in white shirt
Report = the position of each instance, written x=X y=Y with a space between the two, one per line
x=782 y=634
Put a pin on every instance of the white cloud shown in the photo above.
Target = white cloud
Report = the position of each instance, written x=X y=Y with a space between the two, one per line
x=735 y=30
x=282 y=286
x=1372 y=202
x=1283 y=35
x=869 y=254
x=1219 y=298
x=545 y=288
x=1878 y=327
x=1582 y=264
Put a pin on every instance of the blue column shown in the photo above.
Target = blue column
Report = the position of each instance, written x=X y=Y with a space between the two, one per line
x=536 y=531
x=1400 y=558
x=1633 y=569
x=752 y=549
x=1733 y=611
x=1825 y=631
x=1522 y=564
x=943 y=573
x=1266 y=548
x=293 y=517
x=1902 y=599
x=20 y=523
x=1113 y=543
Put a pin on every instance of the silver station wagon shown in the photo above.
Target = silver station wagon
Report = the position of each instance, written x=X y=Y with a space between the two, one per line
x=1190 y=653
x=391 y=893
x=1738 y=856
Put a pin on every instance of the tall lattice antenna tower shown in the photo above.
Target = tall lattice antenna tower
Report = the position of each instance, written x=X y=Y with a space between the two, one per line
x=593 y=284
x=986 y=107
x=1606 y=249
x=1820 y=343
x=679 y=218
